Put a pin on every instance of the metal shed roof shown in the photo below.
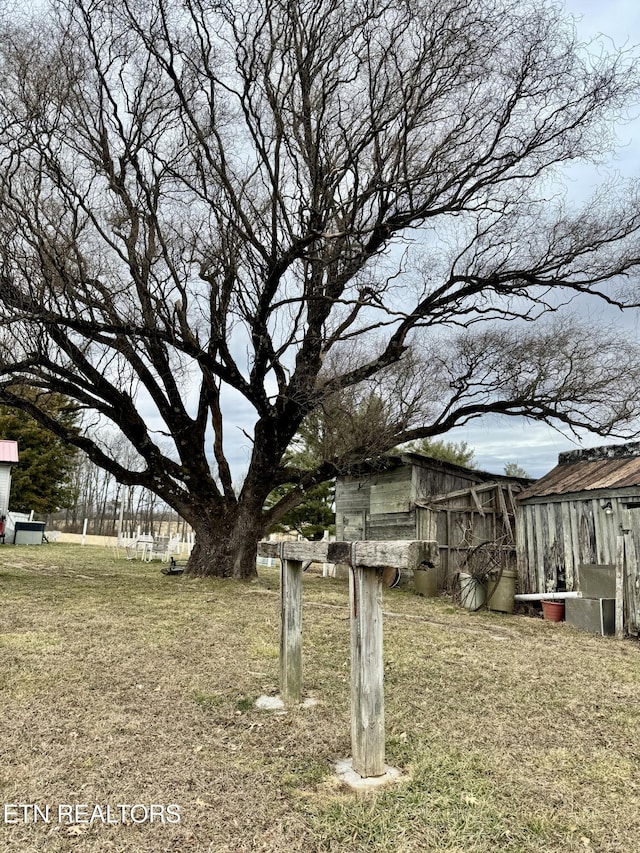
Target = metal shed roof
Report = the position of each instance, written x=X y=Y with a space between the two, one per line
x=389 y=461
x=8 y=451
x=589 y=471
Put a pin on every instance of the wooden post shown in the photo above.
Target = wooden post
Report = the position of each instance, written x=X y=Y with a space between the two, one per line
x=631 y=563
x=620 y=587
x=367 y=689
x=367 y=561
x=291 y=630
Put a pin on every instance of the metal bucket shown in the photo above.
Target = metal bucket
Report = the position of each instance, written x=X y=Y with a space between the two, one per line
x=501 y=589
x=426 y=582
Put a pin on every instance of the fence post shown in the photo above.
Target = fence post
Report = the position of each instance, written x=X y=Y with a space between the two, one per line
x=290 y=630
x=367 y=687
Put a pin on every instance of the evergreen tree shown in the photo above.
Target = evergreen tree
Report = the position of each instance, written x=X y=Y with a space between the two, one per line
x=311 y=517
x=513 y=469
x=42 y=480
x=457 y=452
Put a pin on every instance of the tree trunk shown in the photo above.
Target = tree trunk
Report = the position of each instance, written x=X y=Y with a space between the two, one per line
x=226 y=544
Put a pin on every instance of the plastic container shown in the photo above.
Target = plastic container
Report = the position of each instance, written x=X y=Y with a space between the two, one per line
x=472 y=592
x=553 y=611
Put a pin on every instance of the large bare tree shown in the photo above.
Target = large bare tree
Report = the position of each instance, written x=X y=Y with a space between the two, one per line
x=303 y=206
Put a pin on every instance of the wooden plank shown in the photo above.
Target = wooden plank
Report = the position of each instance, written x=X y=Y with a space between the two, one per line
x=554 y=544
x=620 y=587
x=476 y=500
x=291 y=631
x=390 y=496
x=426 y=524
x=588 y=534
x=451 y=568
x=567 y=550
x=400 y=554
x=462 y=508
x=540 y=522
x=521 y=554
x=631 y=587
x=505 y=513
x=459 y=493
x=391 y=526
x=575 y=542
x=609 y=528
x=532 y=563
x=367 y=671
x=599 y=532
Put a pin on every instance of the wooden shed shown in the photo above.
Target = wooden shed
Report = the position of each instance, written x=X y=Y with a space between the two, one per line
x=576 y=515
x=8 y=458
x=410 y=496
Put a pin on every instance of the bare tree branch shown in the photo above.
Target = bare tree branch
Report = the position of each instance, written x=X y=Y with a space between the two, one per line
x=300 y=211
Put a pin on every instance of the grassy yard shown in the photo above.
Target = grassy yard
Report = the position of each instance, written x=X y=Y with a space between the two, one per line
x=122 y=686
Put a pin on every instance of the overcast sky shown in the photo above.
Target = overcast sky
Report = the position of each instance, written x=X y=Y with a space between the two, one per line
x=536 y=446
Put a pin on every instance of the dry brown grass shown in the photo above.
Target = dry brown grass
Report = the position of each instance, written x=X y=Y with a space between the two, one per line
x=120 y=685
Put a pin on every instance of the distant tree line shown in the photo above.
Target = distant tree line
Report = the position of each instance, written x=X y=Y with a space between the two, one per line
x=60 y=484
x=97 y=496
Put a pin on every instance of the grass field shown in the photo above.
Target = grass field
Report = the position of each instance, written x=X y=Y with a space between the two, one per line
x=124 y=687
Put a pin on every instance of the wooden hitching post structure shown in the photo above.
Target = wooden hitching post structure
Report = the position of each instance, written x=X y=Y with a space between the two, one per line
x=366 y=561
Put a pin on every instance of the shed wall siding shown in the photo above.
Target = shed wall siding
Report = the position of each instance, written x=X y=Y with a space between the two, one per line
x=555 y=538
x=428 y=482
x=5 y=487
x=376 y=506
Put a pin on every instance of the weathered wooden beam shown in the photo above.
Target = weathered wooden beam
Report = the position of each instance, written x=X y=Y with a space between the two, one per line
x=486 y=510
x=459 y=493
x=633 y=602
x=476 y=500
x=367 y=672
x=303 y=551
x=291 y=631
x=619 y=617
x=505 y=513
x=400 y=554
